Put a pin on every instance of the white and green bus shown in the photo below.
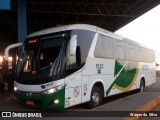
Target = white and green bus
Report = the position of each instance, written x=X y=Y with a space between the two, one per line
x=68 y=65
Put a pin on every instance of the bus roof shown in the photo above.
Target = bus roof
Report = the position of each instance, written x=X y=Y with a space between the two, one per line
x=83 y=27
x=63 y=28
x=72 y=27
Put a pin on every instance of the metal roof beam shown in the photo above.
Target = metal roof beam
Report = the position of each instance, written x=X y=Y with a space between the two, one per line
x=42 y=25
x=96 y=9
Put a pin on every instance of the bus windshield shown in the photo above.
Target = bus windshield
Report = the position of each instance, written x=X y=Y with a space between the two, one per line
x=47 y=58
x=40 y=58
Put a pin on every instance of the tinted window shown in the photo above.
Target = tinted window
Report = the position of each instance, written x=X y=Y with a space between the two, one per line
x=108 y=47
x=103 y=47
x=99 y=47
x=84 y=40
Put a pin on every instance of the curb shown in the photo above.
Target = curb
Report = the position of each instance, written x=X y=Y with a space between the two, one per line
x=146 y=107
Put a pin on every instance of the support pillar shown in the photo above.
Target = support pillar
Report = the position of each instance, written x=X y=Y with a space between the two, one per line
x=22 y=20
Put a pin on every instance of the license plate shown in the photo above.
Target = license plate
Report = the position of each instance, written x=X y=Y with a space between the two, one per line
x=29 y=102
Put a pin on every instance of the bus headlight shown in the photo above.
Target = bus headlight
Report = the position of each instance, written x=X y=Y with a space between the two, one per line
x=15 y=88
x=55 y=89
x=50 y=91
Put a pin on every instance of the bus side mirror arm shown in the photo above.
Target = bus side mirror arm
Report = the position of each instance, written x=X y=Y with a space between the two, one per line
x=6 y=52
x=73 y=45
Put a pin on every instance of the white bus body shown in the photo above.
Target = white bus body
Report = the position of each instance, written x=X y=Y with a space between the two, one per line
x=103 y=64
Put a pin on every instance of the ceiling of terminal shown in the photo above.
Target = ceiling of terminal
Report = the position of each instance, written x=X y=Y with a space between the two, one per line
x=41 y=14
x=108 y=14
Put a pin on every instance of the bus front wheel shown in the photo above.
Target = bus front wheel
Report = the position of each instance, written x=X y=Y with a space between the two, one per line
x=95 y=98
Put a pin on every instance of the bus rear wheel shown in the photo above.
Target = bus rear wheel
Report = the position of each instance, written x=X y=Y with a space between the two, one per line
x=95 y=98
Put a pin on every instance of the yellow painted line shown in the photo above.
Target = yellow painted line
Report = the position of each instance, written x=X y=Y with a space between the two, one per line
x=146 y=107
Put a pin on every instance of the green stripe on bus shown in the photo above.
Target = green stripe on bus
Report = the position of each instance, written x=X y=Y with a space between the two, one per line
x=126 y=75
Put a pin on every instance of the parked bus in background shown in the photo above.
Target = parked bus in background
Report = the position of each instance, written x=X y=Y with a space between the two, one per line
x=68 y=65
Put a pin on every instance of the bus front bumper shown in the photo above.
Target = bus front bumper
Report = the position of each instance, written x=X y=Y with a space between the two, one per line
x=51 y=101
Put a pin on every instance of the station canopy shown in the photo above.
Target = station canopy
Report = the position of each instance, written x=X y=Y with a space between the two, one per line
x=108 y=14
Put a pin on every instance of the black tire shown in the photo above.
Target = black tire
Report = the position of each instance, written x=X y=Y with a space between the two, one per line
x=142 y=86
x=95 y=98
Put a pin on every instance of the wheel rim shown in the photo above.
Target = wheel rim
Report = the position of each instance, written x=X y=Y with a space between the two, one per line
x=142 y=87
x=95 y=98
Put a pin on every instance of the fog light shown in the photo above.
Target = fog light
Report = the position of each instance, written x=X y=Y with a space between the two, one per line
x=56 y=101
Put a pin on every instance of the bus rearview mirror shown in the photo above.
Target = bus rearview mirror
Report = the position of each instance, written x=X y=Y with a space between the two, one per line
x=73 y=45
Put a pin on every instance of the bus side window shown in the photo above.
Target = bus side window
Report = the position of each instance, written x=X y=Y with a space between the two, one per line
x=120 y=48
x=104 y=47
x=131 y=53
x=99 y=53
x=115 y=49
x=74 y=62
x=140 y=54
x=84 y=41
x=107 y=47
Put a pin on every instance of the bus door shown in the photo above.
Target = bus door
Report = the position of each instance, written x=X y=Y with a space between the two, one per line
x=73 y=80
x=73 y=89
